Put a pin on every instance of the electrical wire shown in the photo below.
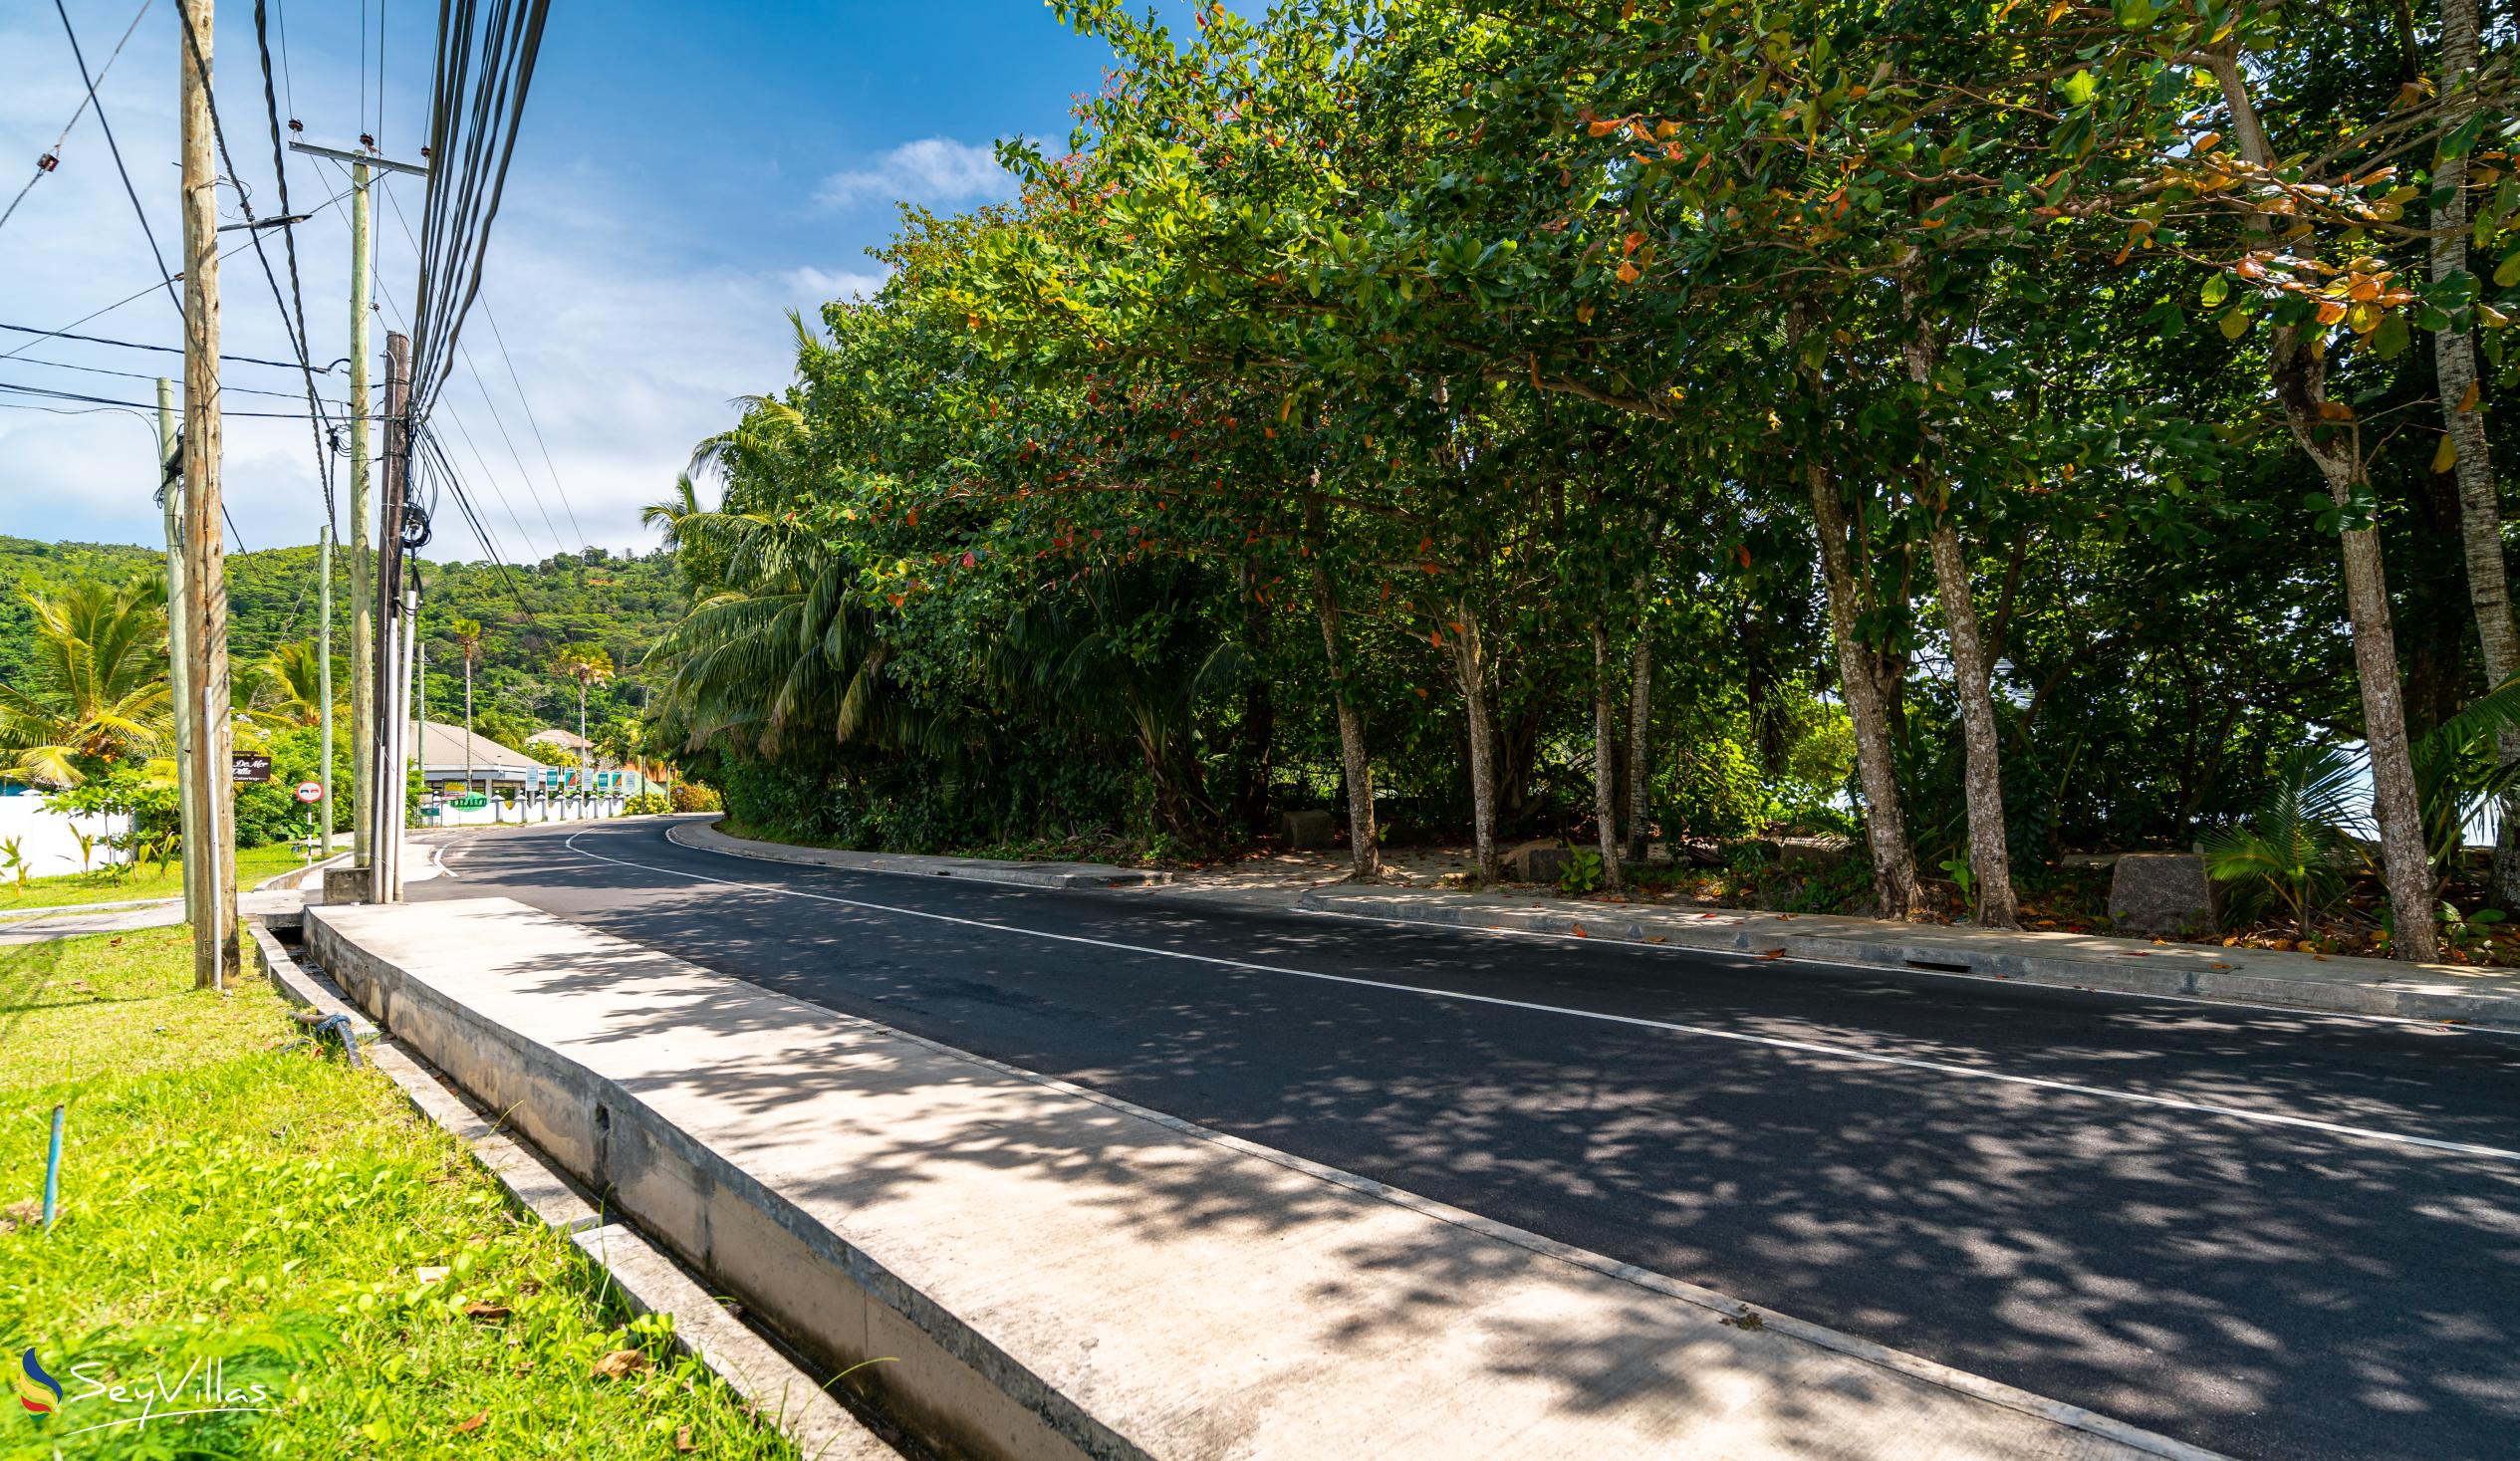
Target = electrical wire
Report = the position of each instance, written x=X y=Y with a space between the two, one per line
x=224 y=387
x=52 y=157
x=482 y=384
x=289 y=246
x=483 y=74
x=110 y=145
x=171 y=350
x=147 y=407
x=144 y=292
x=515 y=519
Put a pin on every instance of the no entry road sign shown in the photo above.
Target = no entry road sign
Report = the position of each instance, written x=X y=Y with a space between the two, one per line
x=309 y=791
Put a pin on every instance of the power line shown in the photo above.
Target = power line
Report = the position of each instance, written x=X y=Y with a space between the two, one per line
x=171 y=350
x=289 y=246
x=515 y=519
x=483 y=385
x=148 y=408
x=224 y=387
x=463 y=504
x=110 y=145
x=483 y=74
x=52 y=157
x=145 y=290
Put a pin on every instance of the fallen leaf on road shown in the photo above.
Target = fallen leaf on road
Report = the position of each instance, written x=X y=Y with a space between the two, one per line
x=1747 y=1318
x=2217 y=966
x=1773 y=954
x=1579 y=930
x=620 y=1364
x=466 y=1428
x=1658 y=939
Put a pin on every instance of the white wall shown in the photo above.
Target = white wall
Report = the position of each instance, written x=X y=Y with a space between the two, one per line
x=45 y=836
x=505 y=812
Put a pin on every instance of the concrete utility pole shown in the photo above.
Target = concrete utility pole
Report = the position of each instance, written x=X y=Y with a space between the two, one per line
x=178 y=643
x=385 y=760
x=324 y=670
x=215 y=951
x=362 y=628
x=362 y=594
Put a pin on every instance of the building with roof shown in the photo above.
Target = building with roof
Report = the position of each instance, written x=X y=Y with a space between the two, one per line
x=451 y=755
x=566 y=740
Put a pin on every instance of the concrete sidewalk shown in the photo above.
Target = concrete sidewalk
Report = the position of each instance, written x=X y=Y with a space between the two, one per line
x=706 y=835
x=2335 y=983
x=1053 y=1273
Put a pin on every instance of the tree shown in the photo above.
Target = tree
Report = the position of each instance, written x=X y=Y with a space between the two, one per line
x=588 y=665
x=466 y=633
x=98 y=692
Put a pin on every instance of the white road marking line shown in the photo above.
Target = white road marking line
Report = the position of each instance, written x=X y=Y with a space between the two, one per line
x=1842 y=966
x=1807 y=1047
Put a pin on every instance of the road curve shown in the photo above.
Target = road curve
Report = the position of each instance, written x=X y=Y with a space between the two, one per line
x=2272 y=1235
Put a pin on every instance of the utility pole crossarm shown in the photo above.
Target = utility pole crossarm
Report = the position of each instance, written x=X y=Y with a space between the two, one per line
x=372 y=159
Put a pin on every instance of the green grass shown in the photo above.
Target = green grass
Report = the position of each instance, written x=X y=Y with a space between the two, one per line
x=289 y=1218
x=253 y=864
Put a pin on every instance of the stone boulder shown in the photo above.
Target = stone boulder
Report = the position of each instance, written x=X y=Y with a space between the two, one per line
x=1539 y=861
x=1310 y=829
x=2164 y=893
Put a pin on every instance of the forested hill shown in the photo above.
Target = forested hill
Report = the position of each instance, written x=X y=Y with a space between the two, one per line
x=624 y=603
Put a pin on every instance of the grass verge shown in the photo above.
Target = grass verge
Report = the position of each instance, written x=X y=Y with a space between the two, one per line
x=273 y=1227
x=103 y=885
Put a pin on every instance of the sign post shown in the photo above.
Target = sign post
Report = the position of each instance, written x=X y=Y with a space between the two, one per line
x=245 y=768
x=309 y=792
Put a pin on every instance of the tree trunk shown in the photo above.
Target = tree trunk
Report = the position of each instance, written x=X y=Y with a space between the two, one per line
x=1885 y=824
x=1604 y=762
x=2455 y=364
x=1365 y=850
x=2299 y=377
x=1989 y=858
x=1469 y=666
x=1640 y=733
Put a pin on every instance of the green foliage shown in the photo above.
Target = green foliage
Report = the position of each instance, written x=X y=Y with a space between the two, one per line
x=292 y=1218
x=1582 y=872
x=2292 y=854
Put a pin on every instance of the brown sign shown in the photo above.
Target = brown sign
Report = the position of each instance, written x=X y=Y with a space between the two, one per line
x=251 y=768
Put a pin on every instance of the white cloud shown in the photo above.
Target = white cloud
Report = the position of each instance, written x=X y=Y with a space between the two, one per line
x=817 y=286
x=929 y=171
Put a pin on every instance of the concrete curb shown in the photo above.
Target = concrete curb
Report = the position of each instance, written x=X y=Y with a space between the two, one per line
x=778 y=1389
x=803 y=1270
x=704 y=837
x=2068 y=961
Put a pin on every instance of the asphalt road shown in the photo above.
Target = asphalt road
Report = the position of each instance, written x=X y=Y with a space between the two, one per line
x=2272 y=1235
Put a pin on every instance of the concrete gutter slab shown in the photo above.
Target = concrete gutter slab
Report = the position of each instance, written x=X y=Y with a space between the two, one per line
x=1047 y=1272
x=706 y=836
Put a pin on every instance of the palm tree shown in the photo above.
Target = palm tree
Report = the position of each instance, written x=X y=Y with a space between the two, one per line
x=289 y=684
x=98 y=690
x=467 y=634
x=589 y=665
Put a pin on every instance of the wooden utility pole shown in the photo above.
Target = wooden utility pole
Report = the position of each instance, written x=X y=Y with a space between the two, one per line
x=384 y=818
x=178 y=642
x=215 y=950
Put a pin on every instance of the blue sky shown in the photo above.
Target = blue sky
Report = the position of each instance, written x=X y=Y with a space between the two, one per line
x=687 y=174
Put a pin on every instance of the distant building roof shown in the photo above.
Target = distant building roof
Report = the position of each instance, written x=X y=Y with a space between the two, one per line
x=443 y=745
x=554 y=736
